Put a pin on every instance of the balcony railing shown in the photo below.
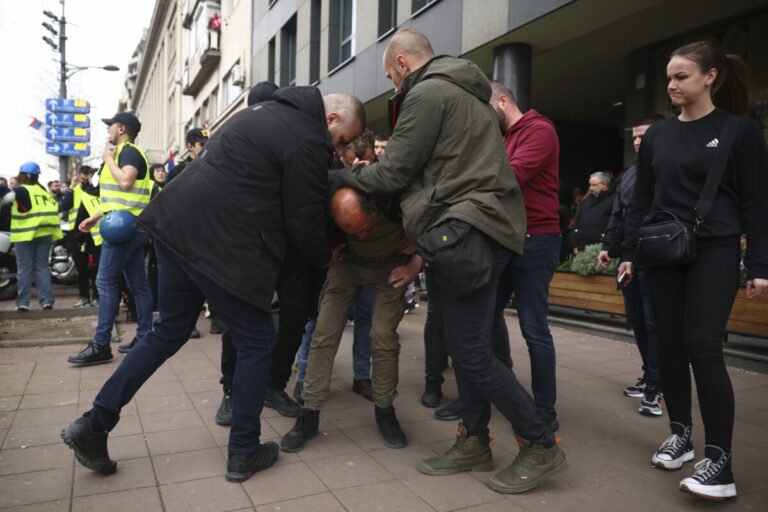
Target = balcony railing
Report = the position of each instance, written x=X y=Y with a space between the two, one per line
x=202 y=64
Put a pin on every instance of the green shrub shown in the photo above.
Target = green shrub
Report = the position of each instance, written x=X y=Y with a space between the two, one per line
x=585 y=263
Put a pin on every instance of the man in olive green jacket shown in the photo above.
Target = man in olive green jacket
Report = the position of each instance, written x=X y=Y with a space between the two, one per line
x=447 y=161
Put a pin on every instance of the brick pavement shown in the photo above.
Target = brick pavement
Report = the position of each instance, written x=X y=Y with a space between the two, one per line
x=171 y=455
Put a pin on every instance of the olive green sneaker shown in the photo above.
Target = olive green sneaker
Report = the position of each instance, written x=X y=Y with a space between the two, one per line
x=469 y=453
x=533 y=464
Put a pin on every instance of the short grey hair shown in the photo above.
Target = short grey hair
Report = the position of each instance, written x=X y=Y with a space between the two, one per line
x=603 y=177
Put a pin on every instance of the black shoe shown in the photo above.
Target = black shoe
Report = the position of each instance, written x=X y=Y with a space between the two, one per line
x=432 y=393
x=450 y=412
x=303 y=430
x=279 y=400
x=194 y=334
x=224 y=414
x=390 y=428
x=713 y=478
x=242 y=467
x=297 y=390
x=126 y=347
x=217 y=326
x=92 y=354
x=676 y=450
x=363 y=388
x=637 y=390
x=90 y=446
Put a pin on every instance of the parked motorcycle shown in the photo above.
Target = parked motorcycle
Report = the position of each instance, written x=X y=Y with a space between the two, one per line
x=63 y=268
x=7 y=267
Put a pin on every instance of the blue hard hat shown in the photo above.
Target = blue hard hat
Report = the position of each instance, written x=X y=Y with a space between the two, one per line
x=30 y=168
x=117 y=227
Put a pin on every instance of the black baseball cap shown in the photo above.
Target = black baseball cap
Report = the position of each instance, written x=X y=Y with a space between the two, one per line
x=262 y=91
x=125 y=118
x=197 y=135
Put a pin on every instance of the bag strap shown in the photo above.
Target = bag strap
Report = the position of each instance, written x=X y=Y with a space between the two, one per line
x=716 y=170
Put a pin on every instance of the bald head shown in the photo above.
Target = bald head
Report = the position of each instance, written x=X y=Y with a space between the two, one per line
x=352 y=212
x=407 y=51
x=345 y=116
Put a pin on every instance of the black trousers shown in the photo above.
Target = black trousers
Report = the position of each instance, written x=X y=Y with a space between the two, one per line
x=691 y=305
x=86 y=272
x=297 y=292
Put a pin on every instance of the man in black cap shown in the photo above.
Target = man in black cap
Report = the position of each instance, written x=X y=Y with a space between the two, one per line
x=196 y=139
x=124 y=184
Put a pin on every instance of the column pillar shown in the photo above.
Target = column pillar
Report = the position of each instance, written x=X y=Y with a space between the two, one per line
x=512 y=67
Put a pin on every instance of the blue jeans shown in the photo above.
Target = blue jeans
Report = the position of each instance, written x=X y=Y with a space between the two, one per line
x=123 y=260
x=303 y=354
x=32 y=257
x=528 y=276
x=637 y=303
x=482 y=379
x=361 y=343
x=181 y=293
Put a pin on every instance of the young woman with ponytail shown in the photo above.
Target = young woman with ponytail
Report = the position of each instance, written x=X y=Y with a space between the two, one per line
x=692 y=302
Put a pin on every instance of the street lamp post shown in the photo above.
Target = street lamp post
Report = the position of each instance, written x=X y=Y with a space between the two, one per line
x=65 y=73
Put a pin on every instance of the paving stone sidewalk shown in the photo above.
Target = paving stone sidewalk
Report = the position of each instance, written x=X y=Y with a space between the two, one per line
x=172 y=456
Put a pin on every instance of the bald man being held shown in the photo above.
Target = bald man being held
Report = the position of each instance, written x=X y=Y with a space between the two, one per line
x=462 y=204
x=377 y=248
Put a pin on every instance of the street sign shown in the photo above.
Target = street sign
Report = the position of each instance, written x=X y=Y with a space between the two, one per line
x=74 y=120
x=56 y=133
x=68 y=148
x=67 y=105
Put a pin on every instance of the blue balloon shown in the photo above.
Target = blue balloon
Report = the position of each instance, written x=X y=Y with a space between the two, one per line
x=117 y=227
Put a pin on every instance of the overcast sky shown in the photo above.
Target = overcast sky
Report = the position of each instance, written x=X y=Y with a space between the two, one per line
x=99 y=32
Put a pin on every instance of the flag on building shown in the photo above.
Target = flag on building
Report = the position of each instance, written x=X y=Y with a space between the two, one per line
x=170 y=163
x=36 y=123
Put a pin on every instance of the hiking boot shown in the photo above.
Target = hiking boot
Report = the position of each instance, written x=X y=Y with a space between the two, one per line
x=469 y=453
x=432 y=392
x=297 y=390
x=90 y=446
x=194 y=334
x=450 y=412
x=534 y=464
x=279 y=400
x=303 y=430
x=676 y=449
x=713 y=478
x=638 y=390
x=390 y=427
x=82 y=303
x=651 y=404
x=224 y=414
x=126 y=347
x=240 y=467
x=363 y=388
x=92 y=354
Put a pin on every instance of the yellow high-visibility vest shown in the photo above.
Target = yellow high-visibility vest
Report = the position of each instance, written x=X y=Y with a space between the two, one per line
x=72 y=213
x=41 y=220
x=112 y=195
x=91 y=204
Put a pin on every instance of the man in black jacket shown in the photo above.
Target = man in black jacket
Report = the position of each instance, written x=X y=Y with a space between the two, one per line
x=265 y=173
x=594 y=212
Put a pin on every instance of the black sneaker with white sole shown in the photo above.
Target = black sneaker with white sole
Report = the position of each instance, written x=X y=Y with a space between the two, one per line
x=676 y=449
x=713 y=479
x=636 y=391
x=651 y=404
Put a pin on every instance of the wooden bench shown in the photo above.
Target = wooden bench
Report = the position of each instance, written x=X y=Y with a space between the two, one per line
x=599 y=293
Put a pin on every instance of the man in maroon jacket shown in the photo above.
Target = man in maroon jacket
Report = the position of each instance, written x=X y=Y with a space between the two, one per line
x=533 y=149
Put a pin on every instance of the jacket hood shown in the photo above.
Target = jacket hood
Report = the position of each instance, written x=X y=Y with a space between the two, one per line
x=307 y=99
x=460 y=72
x=529 y=118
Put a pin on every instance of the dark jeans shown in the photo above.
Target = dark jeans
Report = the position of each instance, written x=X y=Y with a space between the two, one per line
x=692 y=305
x=482 y=379
x=528 y=275
x=295 y=291
x=86 y=272
x=637 y=303
x=182 y=292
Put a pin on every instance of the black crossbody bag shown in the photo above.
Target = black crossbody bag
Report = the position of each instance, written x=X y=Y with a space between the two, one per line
x=669 y=241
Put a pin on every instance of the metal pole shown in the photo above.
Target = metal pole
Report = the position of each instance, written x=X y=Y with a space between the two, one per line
x=63 y=160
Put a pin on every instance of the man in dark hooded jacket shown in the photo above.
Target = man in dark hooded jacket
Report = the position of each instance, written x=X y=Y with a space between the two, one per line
x=447 y=160
x=265 y=173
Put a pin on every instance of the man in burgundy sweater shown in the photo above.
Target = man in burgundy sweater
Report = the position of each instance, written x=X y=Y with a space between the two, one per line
x=534 y=150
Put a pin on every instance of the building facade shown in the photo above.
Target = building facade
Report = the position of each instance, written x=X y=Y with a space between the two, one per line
x=593 y=66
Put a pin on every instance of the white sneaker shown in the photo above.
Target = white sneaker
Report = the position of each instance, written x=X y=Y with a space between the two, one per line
x=676 y=449
x=82 y=303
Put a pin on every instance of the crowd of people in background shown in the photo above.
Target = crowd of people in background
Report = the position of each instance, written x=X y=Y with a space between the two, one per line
x=471 y=196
